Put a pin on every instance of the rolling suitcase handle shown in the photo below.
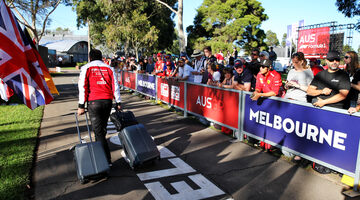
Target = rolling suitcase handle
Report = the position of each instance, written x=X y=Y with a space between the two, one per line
x=78 y=129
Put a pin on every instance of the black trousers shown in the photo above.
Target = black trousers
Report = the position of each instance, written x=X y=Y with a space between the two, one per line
x=99 y=111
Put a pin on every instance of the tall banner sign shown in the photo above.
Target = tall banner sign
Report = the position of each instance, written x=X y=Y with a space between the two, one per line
x=216 y=104
x=146 y=84
x=325 y=135
x=129 y=80
x=314 y=42
x=291 y=33
x=171 y=91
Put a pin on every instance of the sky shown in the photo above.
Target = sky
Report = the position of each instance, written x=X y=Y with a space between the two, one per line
x=280 y=12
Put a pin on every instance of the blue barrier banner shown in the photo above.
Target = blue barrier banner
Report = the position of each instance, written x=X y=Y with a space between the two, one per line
x=325 y=135
x=146 y=84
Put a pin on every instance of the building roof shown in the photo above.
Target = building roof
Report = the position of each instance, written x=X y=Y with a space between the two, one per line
x=60 y=45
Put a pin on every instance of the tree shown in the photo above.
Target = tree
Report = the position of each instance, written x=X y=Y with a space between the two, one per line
x=346 y=48
x=230 y=22
x=271 y=38
x=179 y=13
x=350 y=8
x=38 y=12
x=174 y=48
x=283 y=40
x=162 y=18
x=61 y=31
x=127 y=25
x=197 y=34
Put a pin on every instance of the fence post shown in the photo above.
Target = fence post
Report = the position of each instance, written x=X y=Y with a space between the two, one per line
x=156 y=89
x=185 y=97
x=239 y=134
x=357 y=169
x=136 y=83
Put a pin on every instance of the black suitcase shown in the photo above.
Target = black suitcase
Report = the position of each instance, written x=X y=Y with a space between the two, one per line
x=90 y=158
x=138 y=145
x=122 y=119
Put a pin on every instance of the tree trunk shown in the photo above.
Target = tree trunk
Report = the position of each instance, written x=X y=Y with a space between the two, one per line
x=126 y=47
x=137 y=52
x=180 y=26
x=179 y=14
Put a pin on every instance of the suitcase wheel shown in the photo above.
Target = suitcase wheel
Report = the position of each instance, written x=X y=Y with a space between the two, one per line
x=83 y=181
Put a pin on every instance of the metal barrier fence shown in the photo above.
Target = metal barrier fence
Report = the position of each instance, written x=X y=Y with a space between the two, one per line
x=327 y=135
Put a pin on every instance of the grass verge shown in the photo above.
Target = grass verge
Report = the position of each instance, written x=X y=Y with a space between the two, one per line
x=19 y=127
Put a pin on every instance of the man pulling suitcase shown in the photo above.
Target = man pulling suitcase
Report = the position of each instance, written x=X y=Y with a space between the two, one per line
x=98 y=85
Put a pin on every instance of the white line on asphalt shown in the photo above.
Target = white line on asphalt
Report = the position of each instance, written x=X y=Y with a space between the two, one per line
x=207 y=189
x=112 y=131
x=180 y=168
x=165 y=152
x=115 y=140
x=110 y=126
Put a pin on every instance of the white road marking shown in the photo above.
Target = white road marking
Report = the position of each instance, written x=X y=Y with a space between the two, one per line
x=165 y=152
x=112 y=131
x=181 y=168
x=110 y=126
x=207 y=189
x=115 y=140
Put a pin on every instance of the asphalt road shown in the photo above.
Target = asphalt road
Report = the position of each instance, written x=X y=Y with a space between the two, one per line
x=197 y=162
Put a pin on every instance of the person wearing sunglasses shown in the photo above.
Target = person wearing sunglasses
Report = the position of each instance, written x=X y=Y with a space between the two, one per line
x=353 y=69
x=268 y=84
x=331 y=86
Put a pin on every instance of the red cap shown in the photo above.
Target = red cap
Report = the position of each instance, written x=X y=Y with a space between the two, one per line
x=168 y=63
x=159 y=55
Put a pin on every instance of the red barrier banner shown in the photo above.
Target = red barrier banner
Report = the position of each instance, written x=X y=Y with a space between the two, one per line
x=216 y=104
x=129 y=80
x=170 y=91
x=314 y=41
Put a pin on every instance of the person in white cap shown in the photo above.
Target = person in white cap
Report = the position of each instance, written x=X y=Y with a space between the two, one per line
x=199 y=65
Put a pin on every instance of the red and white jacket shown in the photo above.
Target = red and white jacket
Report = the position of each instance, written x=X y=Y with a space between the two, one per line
x=97 y=81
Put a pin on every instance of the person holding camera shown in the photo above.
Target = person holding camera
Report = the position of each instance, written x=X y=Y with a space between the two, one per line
x=298 y=78
x=297 y=83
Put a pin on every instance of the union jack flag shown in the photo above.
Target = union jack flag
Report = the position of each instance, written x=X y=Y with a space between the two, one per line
x=19 y=66
x=5 y=91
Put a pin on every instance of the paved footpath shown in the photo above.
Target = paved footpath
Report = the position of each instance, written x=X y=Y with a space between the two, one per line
x=197 y=162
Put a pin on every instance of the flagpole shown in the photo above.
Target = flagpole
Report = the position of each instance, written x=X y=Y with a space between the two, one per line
x=89 y=46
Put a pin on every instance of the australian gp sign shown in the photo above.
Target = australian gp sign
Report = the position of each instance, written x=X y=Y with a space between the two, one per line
x=314 y=42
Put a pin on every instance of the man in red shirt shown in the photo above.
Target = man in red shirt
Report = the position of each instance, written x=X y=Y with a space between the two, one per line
x=98 y=86
x=159 y=68
x=268 y=81
x=315 y=68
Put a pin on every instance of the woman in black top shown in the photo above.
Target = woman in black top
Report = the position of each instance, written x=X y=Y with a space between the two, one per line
x=353 y=69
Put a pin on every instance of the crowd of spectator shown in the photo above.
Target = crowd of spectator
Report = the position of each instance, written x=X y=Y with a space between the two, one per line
x=307 y=81
x=330 y=85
